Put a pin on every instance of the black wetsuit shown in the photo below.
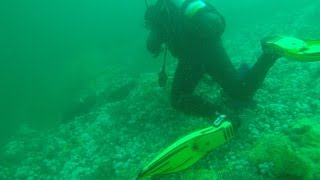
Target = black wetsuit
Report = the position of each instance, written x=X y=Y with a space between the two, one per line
x=196 y=42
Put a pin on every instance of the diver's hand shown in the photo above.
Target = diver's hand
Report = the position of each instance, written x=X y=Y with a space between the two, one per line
x=154 y=44
x=158 y=52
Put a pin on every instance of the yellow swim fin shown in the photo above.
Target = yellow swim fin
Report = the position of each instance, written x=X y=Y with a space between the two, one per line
x=188 y=150
x=296 y=49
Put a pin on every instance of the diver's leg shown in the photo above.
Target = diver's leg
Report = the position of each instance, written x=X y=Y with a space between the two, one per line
x=237 y=86
x=221 y=69
x=256 y=75
x=184 y=83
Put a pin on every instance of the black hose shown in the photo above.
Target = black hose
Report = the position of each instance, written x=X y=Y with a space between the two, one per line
x=162 y=75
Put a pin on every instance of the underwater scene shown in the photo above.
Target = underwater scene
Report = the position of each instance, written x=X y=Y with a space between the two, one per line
x=126 y=90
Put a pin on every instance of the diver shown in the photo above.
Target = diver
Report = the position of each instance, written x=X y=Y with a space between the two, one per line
x=192 y=30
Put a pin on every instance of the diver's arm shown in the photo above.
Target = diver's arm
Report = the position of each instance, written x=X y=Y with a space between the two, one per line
x=154 y=23
x=154 y=42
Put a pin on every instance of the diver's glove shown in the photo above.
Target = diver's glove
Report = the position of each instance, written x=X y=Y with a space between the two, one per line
x=154 y=44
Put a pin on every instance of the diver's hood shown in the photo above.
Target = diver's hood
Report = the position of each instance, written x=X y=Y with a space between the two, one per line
x=178 y=3
x=150 y=2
